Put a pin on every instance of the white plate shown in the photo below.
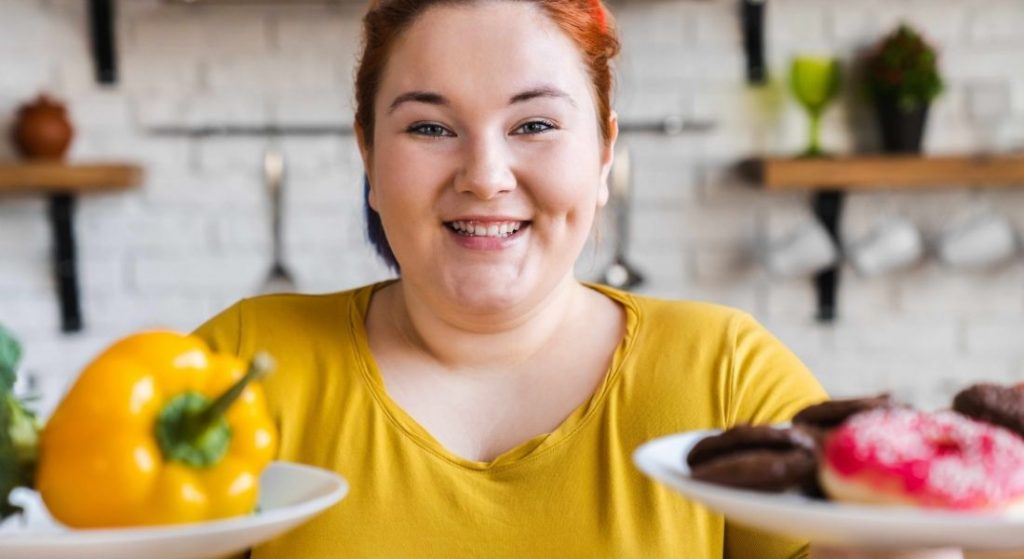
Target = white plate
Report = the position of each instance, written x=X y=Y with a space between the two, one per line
x=822 y=521
x=290 y=494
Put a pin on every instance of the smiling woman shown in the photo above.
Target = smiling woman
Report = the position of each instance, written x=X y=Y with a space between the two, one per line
x=486 y=403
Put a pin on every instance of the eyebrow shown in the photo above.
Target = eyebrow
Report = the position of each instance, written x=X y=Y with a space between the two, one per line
x=541 y=91
x=432 y=98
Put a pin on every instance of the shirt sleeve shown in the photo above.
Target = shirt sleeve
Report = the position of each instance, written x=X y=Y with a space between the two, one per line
x=769 y=385
x=223 y=332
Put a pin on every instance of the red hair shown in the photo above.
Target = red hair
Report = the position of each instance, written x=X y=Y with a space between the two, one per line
x=586 y=22
x=599 y=15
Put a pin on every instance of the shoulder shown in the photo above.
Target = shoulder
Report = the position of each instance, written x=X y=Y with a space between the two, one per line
x=291 y=306
x=697 y=313
x=280 y=317
x=724 y=355
x=659 y=317
x=312 y=338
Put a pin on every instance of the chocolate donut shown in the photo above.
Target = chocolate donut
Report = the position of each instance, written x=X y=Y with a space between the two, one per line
x=993 y=403
x=832 y=413
x=760 y=458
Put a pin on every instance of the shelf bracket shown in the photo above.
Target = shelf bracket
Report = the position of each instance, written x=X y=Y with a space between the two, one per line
x=101 y=31
x=828 y=208
x=65 y=270
x=752 y=20
x=62 y=183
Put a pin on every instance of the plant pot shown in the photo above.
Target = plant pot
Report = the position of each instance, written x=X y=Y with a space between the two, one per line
x=902 y=128
x=42 y=129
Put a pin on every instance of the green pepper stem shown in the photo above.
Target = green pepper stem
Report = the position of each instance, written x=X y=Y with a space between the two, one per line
x=260 y=366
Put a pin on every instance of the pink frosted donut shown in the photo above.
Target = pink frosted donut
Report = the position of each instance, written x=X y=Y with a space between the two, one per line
x=939 y=460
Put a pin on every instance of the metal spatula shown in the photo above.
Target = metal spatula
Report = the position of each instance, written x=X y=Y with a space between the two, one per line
x=620 y=273
x=279 y=279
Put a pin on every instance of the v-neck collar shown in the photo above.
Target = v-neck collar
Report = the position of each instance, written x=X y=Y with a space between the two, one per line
x=536 y=446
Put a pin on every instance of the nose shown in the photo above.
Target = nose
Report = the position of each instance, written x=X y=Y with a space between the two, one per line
x=487 y=172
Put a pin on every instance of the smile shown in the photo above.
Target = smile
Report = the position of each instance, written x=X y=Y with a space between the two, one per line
x=498 y=229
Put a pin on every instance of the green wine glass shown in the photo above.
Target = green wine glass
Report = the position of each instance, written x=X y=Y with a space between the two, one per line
x=815 y=82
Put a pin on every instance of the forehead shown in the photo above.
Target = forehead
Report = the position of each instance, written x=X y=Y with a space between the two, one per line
x=484 y=51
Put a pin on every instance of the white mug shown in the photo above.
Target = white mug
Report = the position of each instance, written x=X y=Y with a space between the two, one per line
x=892 y=244
x=982 y=240
x=804 y=250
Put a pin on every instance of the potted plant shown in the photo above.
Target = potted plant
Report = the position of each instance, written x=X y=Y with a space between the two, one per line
x=902 y=79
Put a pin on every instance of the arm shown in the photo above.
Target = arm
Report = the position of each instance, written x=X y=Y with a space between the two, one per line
x=818 y=552
x=767 y=384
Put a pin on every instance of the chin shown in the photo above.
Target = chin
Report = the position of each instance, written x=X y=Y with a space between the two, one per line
x=486 y=298
x=486 y=293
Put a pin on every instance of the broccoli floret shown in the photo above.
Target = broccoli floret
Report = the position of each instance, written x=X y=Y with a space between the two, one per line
x=19 y=429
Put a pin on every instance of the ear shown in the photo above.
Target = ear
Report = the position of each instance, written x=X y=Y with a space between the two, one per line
x=366 y=155
x=608 y=158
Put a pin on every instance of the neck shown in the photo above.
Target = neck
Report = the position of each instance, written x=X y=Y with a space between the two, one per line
x=466 y=340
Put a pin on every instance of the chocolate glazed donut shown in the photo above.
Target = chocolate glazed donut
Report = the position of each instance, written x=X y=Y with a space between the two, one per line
x=831 y=414
x=760 y=458
x=818 y=420
x=992 y=403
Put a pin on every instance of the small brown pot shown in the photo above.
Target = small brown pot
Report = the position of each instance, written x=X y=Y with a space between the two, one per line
x=42 y=129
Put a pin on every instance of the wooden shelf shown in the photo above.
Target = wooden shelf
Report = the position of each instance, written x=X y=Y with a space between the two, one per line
x=830 y=178
x=62 y=182
x=886 y=172
x=67 y=178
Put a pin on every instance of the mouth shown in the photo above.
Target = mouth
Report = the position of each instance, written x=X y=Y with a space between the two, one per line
x=493 y=229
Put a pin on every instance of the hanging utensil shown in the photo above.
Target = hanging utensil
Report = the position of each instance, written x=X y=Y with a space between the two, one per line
x=279 y=279
x=620 y=273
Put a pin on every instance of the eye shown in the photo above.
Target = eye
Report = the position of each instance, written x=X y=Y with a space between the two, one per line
x=429 y=130
x=536 y=127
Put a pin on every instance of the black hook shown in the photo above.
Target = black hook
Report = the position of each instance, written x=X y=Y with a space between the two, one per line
x=65 y=270
x=828 y=208
x=101 y=27
x=752 y=13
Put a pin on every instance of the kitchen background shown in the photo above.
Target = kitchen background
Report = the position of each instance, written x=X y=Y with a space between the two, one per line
x=196 y=236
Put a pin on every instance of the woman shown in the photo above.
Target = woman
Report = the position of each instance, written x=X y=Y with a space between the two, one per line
x=487 y=404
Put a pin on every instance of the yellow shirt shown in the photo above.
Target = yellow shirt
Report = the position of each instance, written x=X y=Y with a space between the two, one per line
x=572 y=493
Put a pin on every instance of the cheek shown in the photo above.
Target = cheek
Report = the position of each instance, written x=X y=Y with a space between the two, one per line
x=405 y=178
x=566 y=179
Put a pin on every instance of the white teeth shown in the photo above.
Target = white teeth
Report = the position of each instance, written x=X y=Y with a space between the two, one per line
x=470 y=229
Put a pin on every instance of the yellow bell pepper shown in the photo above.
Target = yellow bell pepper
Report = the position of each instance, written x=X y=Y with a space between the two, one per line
x=157 y=430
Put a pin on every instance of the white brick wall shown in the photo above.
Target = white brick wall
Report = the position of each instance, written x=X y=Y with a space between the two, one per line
x=196 y=237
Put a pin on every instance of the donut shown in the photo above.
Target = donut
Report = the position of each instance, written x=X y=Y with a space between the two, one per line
x=992 y=403
x=831 y=413
x=760 y=458
x=939 y=460
x=819 y=420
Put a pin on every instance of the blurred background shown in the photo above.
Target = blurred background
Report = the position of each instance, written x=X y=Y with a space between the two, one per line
x=215 y=103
